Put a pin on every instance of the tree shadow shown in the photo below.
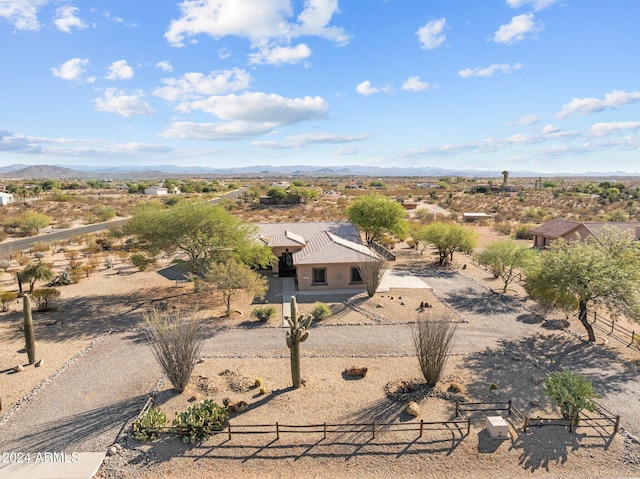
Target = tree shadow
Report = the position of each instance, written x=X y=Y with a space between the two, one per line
x=482 y=302
x=540 y=450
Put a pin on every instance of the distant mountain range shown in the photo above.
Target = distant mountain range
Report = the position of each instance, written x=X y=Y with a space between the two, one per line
x=162 y=171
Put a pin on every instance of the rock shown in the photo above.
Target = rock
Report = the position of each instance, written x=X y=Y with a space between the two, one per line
x=200 y=361
x=194 y=397
x=537 y=379
x=112 y=451
x=18 y=369
x=118 y=447
x=237 y=406
x=402 y=303
x=356 y=371
x=39 y=363
x=412 y=409
x=534 y=402
x=379 y=305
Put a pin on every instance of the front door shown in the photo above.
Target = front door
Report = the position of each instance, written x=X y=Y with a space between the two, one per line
x=285 y=265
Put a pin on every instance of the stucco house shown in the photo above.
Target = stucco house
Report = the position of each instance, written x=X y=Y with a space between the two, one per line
x=545 y=234
x=320 y=256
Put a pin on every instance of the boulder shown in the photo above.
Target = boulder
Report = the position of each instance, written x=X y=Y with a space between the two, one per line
x=356 y=371
x=534 y=402
x=237 y=406
x=412 y=409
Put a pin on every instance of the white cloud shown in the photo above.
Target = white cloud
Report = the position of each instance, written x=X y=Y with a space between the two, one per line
x=280 y=55
x=195 y=85
x=120 y=71
x=605 y=129
x=430 y=34
x=266 y=23
x=66 y=19
x=517 y=30
x=348 y=150
x=550 y=129
x=583 y=106
x=298 y=141
x=527 y=120
x=22 y=14
x=71 y=69
x=117 y=101
x=165 y=66
x=489 y=71
x=366 y=89
x=247 y=115
x=415 y=84
x=536 y=4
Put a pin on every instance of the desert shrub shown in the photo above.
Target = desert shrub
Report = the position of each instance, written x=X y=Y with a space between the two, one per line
x=432 y=341
x=524 y=232
x=6 y=298
x=503 y=227
x=198 y=422
x=148 y=426
x=176 y=341
x=455 y=387
x=140 y=261
x=40 y=247
x=571 y=392
x=104 y=213
x=44 y=297
x=320 y=311
x=264 y=313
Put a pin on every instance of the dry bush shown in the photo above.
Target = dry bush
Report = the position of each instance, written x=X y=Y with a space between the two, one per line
x=433 y=340
x=176 y=340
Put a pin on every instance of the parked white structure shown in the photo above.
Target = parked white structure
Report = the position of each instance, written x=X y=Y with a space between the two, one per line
x=5 y=198
x=156 y=190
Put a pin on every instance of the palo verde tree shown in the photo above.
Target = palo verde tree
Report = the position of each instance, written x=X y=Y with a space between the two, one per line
x=33 y=272
x=504 y=259
x=447 y=238
x=580 y=274
x=232 y=279
x=377 y=215
x=198 y=235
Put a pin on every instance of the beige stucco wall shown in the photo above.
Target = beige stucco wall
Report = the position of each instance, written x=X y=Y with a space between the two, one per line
x=338 y=277
x=277 y=251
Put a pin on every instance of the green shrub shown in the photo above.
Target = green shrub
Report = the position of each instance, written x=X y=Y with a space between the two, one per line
x=264 y=313
x=6 y=298
x=524 y=232
x=43 y=298
x=320 y=311
x=198 y=422
x=148 y=426
x=140 y=261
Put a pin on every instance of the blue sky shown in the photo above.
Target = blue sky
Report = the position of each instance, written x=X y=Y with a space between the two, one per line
x=539 y=85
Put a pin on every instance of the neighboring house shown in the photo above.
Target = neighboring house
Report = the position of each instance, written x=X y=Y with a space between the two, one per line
x=475 y=216
x=156 y=190
x=545 y=234
x=321 y=256
x=5 y=198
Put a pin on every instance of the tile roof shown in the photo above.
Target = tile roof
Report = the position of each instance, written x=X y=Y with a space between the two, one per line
x=555 y=228
x=284 y=238
x=308 y=230
x=328 y=248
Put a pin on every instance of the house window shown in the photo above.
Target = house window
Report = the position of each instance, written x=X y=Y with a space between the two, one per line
x=355 y=275
x=319 y=276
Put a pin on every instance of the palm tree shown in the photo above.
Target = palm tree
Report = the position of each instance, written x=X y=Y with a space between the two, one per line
x=505 y=176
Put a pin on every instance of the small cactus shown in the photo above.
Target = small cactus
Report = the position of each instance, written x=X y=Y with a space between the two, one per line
x=263 y=391
x=258 y=382
x=298 y=333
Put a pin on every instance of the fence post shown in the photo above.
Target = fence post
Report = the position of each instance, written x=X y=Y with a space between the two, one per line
x=456 y=408
x=617 y=425
x=468 y=425
x=613 y=324
x=277 y=431
x=509 y=410
x=229 y=428
x=633 y=334
x=421 y=427
x=526 y=423
x=325 y=429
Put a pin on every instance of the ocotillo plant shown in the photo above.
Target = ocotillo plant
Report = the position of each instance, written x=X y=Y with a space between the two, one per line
x=297 y=334
x=28 y=329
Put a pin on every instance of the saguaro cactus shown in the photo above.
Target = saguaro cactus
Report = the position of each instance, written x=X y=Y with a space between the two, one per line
x=297 y=334
x=28 y=329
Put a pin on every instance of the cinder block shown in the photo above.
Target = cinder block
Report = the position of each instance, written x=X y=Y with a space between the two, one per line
x=497 y=427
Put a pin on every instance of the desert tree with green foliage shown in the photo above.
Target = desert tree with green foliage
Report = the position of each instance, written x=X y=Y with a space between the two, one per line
x=571 y=392
x=232 y=279
x=377 y=215
x=505 y=259
x=31 y=222
x=34 y=272
x=447 y=238
x=578 y=275
x=197 y=235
